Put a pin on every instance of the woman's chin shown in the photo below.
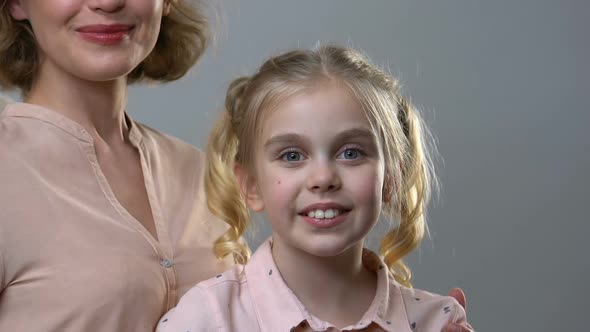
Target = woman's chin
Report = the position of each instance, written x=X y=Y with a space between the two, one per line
x=102 y=69
x=103 y=74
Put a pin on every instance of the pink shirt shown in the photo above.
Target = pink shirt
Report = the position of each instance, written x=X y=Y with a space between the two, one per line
x=71 y=257
x=259 y=300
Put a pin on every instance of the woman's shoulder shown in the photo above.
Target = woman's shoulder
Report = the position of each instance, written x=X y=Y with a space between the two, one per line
x=29 y=125
x=24 y=138
x=11 y=125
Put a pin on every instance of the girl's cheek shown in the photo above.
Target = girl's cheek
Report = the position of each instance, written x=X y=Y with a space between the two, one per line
x=367 y=184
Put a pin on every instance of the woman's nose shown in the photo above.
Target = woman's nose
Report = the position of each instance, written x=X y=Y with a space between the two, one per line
x=108 y=6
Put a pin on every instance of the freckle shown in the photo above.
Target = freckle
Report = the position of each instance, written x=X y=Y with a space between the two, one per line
x=279 y=182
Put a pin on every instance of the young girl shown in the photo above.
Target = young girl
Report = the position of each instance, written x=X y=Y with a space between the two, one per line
x=323 y=143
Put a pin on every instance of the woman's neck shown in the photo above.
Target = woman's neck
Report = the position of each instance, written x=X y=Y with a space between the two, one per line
x=336 y=289
x=97 y=106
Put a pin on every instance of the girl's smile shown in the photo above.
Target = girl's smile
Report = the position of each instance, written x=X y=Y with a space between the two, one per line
x=325 y=215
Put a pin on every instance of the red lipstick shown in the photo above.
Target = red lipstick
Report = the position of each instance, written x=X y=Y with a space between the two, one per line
x=105 y=34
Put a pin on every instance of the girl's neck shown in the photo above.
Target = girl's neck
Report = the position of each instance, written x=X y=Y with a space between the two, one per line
x=337 y=289
x=97 y=106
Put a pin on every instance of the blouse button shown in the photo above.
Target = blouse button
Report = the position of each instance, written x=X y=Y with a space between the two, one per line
x=167 y=263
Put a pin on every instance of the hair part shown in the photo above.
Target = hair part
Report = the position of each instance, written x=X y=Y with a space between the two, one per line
x=398 y=125
x=183 y=38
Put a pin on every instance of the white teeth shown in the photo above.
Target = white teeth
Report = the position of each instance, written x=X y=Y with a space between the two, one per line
x=329 y=214
x=321 y=214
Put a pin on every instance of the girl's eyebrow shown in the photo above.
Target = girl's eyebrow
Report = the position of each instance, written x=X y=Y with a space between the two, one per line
x=358 y=132
x=284 y=138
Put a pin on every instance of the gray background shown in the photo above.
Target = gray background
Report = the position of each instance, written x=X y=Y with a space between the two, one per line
x=503 y=85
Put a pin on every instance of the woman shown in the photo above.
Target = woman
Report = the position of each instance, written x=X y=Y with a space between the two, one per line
x=103 y=224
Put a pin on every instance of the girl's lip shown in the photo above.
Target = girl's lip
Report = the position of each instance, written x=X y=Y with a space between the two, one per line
x=324 y=206
x=326 y=223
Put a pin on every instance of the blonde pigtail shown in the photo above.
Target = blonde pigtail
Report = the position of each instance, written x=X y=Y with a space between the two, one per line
x=222 y=190
x=413 y=196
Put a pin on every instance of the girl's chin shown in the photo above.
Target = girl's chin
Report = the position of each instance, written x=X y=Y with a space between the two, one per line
x=326 y=249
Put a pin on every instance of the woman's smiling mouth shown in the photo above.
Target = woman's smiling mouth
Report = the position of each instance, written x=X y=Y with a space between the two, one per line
x=105 y=34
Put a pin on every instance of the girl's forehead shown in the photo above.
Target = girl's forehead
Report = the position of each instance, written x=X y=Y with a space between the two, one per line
x=331 y=97
x=331 y=105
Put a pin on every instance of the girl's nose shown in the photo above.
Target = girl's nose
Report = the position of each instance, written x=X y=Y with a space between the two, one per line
x=323 y=177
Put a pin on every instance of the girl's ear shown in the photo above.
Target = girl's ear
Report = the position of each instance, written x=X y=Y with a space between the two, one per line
x=249 y=189
x=16 y=10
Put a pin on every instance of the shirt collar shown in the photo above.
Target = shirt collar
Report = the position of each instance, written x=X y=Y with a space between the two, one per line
x=278 y=309
x=25 y=110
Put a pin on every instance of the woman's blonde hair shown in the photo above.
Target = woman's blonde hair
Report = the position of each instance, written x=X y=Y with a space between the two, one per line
x=408 y=173
x=182 y=40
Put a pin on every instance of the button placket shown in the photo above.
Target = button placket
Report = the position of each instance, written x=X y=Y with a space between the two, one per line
x=166 y=263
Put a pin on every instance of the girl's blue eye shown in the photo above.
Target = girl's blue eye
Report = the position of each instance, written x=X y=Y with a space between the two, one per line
x=292 y=156
x=351 y=154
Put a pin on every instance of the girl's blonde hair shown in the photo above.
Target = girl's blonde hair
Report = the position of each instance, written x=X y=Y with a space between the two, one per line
x=182 y=40
x=408 y=173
